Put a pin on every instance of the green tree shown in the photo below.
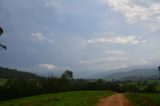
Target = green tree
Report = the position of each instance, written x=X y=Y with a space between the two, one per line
x=66 y=80
x=101 y=84
x=159 y=71
x=151 y=88
x=67 y=75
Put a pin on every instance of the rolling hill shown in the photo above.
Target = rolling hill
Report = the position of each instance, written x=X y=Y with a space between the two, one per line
x=14 y=73
x=127 y=74
x=136 y=74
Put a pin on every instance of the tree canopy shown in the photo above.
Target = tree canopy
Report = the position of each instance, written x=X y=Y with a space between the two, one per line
x=67 y=74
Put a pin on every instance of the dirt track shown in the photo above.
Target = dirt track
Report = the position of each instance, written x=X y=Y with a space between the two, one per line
x=114 y=100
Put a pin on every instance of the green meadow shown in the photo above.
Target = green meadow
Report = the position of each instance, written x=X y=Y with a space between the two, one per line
x=77 y=98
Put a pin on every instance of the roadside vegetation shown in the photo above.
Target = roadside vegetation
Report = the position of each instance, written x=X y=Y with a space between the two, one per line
x=144 y=99
x=77 y=98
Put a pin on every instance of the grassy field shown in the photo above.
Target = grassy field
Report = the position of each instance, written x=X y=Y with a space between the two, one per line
x=146 y=99
x=77 y=98
x=3 y=81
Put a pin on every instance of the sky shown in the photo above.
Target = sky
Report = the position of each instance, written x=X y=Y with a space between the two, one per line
x=80 y=35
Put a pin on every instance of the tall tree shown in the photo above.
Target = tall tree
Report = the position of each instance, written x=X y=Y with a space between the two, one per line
x=67 y=74
x=2 y=46
x=159 y=71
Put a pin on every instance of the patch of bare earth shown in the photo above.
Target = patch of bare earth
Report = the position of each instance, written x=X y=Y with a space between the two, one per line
x=114 y=100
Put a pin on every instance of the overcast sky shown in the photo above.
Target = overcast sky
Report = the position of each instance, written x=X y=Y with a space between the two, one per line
x=81 y=35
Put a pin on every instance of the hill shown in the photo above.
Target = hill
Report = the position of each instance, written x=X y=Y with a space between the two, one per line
x=127 y=74
x=100 y=75
x=14 y=73
x=136 y=74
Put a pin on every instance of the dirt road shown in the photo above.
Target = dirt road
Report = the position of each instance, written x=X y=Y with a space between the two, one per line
x=114 y=100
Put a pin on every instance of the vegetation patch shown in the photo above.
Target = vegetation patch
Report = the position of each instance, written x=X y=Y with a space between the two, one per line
x=154 y=96
x=144 y=99
x=3 y=81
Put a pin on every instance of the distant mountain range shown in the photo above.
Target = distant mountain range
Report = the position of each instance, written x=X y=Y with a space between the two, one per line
x=119 y=74
x=127 y=74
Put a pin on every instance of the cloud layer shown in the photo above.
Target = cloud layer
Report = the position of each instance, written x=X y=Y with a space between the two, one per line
x=116 y=40
x=47 y=66
x=136 y=12
x=39 y=37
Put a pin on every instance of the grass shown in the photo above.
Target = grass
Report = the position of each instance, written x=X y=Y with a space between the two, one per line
x=144 y=99
x=3 y=81
x=77 y=98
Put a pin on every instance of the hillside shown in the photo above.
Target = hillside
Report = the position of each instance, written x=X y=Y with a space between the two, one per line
x=14 y=73
x=100 y=75
x=137 y=74
x=126 y=74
